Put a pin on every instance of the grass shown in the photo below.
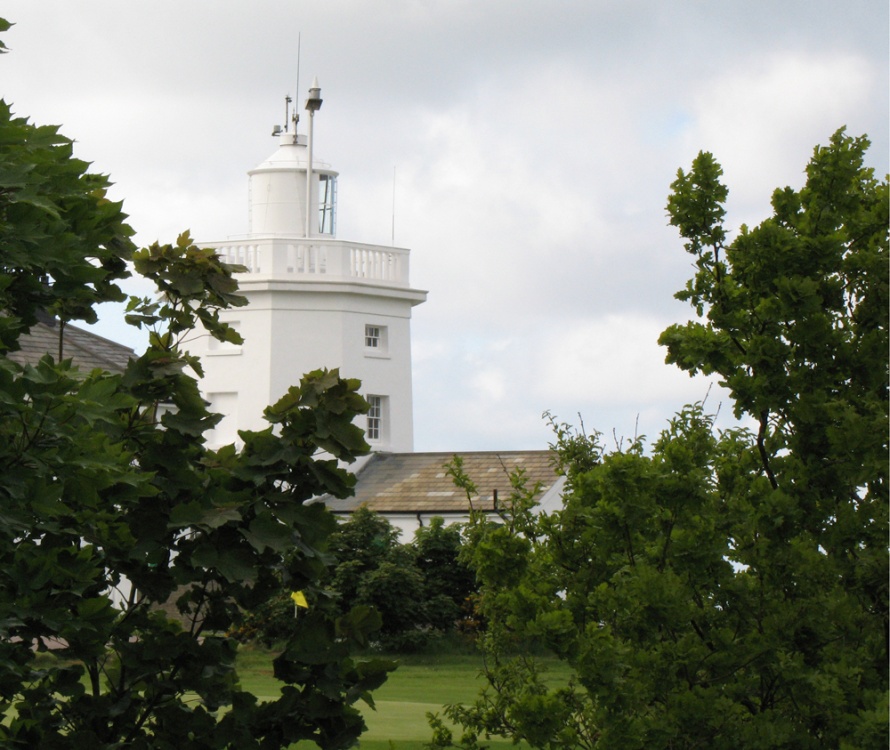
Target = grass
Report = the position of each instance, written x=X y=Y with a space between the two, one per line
x=421 y=684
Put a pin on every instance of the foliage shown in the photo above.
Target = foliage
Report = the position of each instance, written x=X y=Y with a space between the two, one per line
x=396 y=591
x=112 y=505
x=65 y=245
x=721 y=588
x=448 y=583
x=360 y=545
x=419 y=589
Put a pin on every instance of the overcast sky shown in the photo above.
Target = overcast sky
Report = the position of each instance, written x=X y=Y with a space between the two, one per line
x=532 y=144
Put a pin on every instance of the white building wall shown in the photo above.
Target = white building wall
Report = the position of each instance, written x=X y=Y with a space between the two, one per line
x=233 y=382
x=288 y=335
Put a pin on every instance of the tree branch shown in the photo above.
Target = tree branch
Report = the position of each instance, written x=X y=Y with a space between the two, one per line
x=761 y=449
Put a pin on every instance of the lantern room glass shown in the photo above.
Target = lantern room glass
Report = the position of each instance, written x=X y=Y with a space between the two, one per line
x=327 y=202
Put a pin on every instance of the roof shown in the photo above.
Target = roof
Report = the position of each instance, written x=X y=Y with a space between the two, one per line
x=418 y=482
x=87 y=350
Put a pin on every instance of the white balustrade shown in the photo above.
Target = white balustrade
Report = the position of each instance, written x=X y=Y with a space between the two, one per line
x=333 y=259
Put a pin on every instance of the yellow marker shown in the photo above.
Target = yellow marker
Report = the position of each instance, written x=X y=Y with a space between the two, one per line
x=299 y=599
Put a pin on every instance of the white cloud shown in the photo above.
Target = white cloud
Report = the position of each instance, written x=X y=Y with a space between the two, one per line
x=534 y=144
x=614 y=360
x=762 y=117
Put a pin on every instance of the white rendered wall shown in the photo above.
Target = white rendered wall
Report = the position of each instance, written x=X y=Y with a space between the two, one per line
x=288 y=335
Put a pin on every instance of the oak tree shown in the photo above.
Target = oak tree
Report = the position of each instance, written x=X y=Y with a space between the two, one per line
x=720 y=588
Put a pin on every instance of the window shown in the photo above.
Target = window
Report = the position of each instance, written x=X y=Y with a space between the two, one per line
x=375 y=417
x=215 y=346
x=226 y=430
x=327 y=201
x=376 y=343
x=372 y=337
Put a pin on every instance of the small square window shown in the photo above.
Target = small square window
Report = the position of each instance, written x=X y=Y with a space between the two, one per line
x=376 y=340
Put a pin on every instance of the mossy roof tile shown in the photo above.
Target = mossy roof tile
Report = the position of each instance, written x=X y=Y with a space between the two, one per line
x=411 y=482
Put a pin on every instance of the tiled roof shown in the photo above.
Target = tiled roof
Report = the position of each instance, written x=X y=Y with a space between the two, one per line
x=418 y=482
x=88 y=350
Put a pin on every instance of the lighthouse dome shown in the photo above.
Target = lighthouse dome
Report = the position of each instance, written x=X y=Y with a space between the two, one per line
x=278 y=186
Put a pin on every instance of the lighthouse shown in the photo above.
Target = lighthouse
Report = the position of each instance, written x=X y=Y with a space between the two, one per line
x=314 y=301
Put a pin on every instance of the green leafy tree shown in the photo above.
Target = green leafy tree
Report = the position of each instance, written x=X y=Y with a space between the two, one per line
x=395 y=590
x=65 y=245
x=111 y=504
x=721 y=589
x=374 y=569
x=360 y=545
x=369 y=567
x=448 y=583
x=418 y=589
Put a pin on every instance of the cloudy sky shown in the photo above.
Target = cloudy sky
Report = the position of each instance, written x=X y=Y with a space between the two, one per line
x=531 y=145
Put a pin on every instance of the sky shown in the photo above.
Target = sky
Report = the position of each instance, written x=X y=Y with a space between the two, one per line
x=522 y=149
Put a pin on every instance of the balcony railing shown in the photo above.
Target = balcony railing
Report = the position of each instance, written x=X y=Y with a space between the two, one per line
x=335 y=260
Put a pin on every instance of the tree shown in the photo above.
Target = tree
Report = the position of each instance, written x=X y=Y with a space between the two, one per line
x=360 y=545
x=418 y=589
x=111 y=503
x=721 y=588
x=448 y=583
x=368 y=567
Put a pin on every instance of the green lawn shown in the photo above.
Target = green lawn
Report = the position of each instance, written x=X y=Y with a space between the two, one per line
x=419 y=685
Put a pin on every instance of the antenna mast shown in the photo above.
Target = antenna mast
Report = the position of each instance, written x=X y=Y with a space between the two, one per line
x=297 y=90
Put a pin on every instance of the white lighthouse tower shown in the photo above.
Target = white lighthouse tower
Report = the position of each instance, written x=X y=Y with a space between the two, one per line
x=313 y=301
